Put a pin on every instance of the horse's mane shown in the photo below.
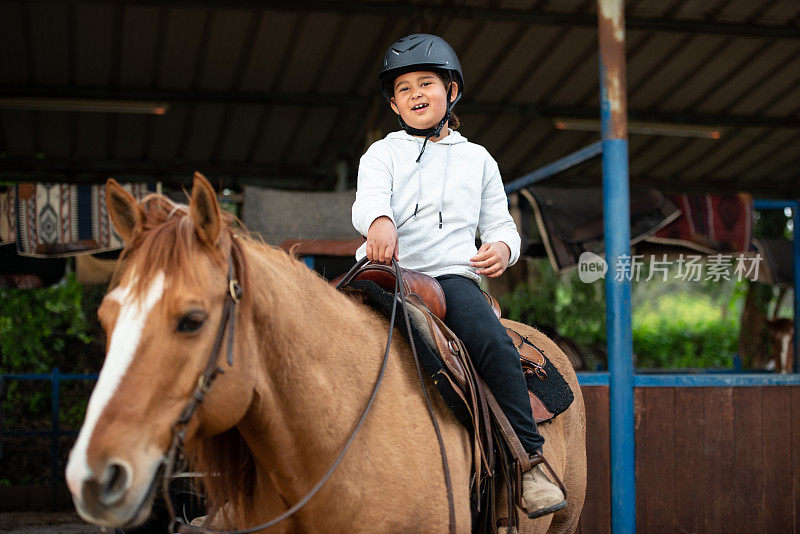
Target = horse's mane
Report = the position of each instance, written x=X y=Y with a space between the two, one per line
x=230 y=475
x=167 y=242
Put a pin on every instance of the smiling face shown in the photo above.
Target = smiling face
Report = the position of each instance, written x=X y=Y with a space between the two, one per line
x=420 y=98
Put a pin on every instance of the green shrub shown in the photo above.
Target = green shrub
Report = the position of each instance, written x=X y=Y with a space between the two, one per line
x=581 y=311
x=37 y=324
x=572 y=308
x=679 y=331
x=529 y=305
x=676 y=323
x=41 y=329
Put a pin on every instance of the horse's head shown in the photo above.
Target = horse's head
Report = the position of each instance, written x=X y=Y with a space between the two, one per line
x=161 y=320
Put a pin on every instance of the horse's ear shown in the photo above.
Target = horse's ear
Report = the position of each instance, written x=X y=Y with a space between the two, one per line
x=125 y=212
x=205 y=210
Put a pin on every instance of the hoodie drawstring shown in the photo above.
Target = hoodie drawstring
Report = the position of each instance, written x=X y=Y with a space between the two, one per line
x=444 y=180
x=419 y=182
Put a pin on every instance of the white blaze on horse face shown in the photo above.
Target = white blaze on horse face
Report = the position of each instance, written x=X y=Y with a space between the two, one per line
x=124 y=341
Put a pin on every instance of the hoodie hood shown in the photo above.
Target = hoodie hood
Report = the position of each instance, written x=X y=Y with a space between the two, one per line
x=452 y=138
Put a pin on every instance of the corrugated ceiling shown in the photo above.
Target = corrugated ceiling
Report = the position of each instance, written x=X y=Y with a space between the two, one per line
x=278 y=92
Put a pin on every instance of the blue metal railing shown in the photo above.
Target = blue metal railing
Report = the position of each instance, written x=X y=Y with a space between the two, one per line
x=699 y=379
x=659 y=379
x=55 y=377
x=560 y=165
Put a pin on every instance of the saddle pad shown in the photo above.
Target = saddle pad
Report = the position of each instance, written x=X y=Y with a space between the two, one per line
x=432 y=366
x=553 y=392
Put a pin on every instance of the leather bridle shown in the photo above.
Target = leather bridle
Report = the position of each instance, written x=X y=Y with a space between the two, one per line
x=212 y=370
x=204 y=383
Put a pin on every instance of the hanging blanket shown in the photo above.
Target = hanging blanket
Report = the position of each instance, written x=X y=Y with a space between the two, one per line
x=776 y=261
x=55 y=220
x=570 y=221
x=7 y=226
x=279 y=216
x=710 y=224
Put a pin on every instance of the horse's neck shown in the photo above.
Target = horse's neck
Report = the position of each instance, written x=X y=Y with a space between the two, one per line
x=301 y=317
x=318 y=355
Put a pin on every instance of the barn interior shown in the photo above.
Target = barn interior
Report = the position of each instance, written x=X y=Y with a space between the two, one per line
x=278 y=97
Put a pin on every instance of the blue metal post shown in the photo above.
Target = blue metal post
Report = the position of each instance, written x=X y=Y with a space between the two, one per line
x=55 y=402
x=767 y=204
x=796 y=250
x=616 y=218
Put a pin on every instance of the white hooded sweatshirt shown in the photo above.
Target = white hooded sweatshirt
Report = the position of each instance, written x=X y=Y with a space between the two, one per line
x=437 y=204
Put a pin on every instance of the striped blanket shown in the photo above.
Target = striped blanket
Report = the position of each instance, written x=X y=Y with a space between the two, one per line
x=7 y=224
x=54 y=220
x=710 y=224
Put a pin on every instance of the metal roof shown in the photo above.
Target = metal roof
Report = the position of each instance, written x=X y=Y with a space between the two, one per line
x=278 y=92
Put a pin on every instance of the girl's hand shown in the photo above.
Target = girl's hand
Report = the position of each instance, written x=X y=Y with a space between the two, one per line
x=382 y=241
x=491 y=259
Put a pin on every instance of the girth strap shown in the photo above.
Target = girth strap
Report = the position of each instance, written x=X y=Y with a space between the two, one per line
x=445 y=466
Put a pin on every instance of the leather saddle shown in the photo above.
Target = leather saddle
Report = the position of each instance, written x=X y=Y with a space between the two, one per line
x=496 y=447
x=425 y=294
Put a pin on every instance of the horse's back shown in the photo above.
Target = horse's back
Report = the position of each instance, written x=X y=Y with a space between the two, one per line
x=565 y=441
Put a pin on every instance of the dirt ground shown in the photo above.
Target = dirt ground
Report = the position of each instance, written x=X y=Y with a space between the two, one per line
x=44 y=523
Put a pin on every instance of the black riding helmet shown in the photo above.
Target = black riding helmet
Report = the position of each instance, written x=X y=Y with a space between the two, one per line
x=421 y=51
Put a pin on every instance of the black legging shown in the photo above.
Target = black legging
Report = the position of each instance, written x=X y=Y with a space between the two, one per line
x=492 y=352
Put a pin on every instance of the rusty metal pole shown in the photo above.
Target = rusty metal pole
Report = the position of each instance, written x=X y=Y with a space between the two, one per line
x=616 y=218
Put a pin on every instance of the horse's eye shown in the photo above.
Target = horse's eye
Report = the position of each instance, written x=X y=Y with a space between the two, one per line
x=191 y=322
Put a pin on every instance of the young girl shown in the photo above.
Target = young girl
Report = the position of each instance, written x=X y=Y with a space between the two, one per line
x=421 y=202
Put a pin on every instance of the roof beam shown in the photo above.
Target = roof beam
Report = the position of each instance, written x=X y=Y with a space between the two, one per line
x=361 y=103
x=483 y=14
x=175 y=173
x=170 y=171
x=726 y=184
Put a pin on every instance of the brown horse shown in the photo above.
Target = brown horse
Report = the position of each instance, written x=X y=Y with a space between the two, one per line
x=306 y=358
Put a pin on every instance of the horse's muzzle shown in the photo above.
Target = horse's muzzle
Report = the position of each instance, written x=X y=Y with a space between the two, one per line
x=112 y=499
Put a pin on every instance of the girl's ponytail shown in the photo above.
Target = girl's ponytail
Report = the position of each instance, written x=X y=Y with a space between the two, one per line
x=454 y=121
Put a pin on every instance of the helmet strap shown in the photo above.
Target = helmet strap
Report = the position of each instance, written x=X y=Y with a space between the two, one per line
x=433 y=131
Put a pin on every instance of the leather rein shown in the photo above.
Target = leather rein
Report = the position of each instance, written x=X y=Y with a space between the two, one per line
x=212 y=370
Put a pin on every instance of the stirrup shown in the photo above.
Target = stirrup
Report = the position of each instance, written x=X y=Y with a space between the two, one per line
x=536 y=459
